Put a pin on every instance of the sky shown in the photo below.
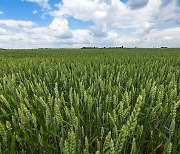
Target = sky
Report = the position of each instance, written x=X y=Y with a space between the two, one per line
x=78 y=23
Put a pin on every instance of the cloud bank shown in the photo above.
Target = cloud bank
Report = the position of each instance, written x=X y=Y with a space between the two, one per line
x=143 y=23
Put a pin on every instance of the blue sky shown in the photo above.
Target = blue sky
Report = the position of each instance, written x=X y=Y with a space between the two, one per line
x=77 y=23
x=22 y=10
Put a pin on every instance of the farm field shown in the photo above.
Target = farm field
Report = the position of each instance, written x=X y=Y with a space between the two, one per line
x=90 y=101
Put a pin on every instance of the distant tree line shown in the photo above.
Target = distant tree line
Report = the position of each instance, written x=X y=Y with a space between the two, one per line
x=102 y=47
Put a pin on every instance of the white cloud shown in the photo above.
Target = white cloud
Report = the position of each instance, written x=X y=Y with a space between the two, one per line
x=117 y=14
x=2 y=31
x=35 y=12
x=51 y=36
x=42 y=3
x=114 y=14
x=167 y=37
x=80 y=9
x=169 y=12
x=16 y=23
x=1 y=12
x=59 y=27
x=136 y=4
x=56 y=31
x=143 y=15
x=100 y=14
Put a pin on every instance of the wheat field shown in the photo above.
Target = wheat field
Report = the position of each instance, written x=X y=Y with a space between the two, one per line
x=74 y=101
